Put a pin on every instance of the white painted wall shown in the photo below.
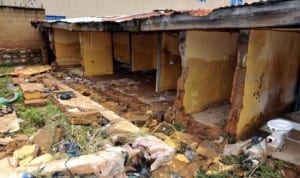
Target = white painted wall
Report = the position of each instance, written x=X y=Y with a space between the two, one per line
x=22 y=3
x=79 y=8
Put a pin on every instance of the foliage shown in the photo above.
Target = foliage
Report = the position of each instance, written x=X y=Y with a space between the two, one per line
x=202 y=174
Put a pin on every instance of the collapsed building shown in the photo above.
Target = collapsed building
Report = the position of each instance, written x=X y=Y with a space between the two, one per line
x=231 y=68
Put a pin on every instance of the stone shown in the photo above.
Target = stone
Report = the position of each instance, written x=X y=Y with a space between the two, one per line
x=23 y=51
x=5 y=56
x=15 y=61
x=186 y=138
x=43 y=139
x=123 y=127
x=36 y=102
x=9 y=123
x=182 y=158
x=26 y=152
x=2 y=155
x=26 y=160
x=42 y=159
x=205 y=151
x=83 y=118
x=5 y=141
x=22 y=138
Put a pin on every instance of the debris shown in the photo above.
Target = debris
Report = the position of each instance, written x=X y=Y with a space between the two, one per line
x=6 y=101
x=77 y=117
x=71 y=148
x=26 y=154
x=30 y=70
x=42 y=159
x=43 y=138
x=156 y=149
x=168 y=140
x=236 y=149
x=123 y=127
x=83 y=165
x=182 y=157
x=204 y=150
x=32 y=90
x=5 y=141
x=186 y=138
x=3 y=155
x=9 y=123
x=36 y=102
x=119 y=140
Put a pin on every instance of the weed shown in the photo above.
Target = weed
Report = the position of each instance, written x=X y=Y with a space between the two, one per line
x=265 y=170
x=4 y=91
x=202 y=174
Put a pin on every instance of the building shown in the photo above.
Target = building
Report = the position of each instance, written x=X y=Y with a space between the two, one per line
x=233 y=68
x=74 y=8
x=20 y=43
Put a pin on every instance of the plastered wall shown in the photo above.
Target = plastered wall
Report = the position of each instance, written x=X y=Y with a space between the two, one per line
x=210 y=61
x=73 y=8
x=271 y=74
x=67 y=47
x=144 y=51
x=170 y=61
x=96 y=51
x=121 y=47
x=16 y=30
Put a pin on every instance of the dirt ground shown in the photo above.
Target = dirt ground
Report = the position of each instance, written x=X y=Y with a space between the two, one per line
x=47 y=129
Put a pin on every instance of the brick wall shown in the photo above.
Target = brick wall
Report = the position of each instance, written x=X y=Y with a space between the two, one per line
x=19 y=41
x=20 y=55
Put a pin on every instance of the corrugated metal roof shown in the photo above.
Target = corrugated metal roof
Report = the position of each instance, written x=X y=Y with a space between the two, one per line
x=124 y=18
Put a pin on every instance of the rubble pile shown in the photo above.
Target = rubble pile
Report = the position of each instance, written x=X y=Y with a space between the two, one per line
x=85 y=138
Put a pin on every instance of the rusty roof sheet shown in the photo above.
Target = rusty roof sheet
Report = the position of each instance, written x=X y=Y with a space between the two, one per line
x=124 y=18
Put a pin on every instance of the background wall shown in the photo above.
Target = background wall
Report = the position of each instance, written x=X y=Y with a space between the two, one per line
x=22 y=3
x=74 y=8
x=19 y=41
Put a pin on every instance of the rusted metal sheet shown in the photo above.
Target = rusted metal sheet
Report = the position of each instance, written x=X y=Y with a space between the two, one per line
x=257 y=15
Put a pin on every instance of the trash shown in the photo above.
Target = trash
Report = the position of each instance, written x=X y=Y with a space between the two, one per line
x=155 y=149
x=72 y=148
x=182 y=157
x=189 y=153
x=9 y=101
x=96 y=163
x=65 y=96
x=237 y=148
